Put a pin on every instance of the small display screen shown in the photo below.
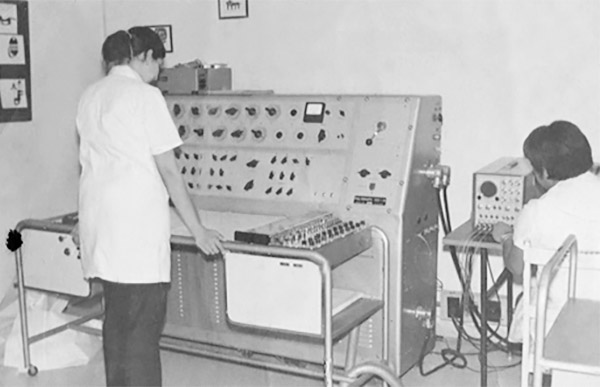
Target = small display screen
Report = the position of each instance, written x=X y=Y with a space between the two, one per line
x=314 y=112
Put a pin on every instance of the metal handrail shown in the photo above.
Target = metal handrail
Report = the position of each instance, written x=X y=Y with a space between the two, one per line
x=568 y=248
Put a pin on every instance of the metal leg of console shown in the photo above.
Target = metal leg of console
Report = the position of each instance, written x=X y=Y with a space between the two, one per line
x=352 y=348
x=483 y=328
x=31 y=369
x=509 y=302
x=328 y=310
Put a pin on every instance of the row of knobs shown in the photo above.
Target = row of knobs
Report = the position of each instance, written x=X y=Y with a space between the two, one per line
x=233 y=112
x=304 y=239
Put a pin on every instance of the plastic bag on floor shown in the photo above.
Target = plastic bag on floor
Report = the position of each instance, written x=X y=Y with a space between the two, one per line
x=66 y=349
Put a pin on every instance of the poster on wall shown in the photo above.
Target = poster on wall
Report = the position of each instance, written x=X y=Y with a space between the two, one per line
x=12 y=94
x=15 y=68
x=12 y=49
x=8 y=18
x=165 y=34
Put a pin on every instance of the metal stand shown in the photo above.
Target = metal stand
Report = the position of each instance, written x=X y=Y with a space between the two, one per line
x=349 y=325
x=26 y=339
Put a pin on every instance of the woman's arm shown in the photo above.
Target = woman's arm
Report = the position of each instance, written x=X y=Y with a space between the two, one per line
x=209 y=241
x=511 y=254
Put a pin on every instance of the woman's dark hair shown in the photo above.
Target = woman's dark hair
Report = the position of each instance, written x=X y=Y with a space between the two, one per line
x=121 y=46
x=560 y=148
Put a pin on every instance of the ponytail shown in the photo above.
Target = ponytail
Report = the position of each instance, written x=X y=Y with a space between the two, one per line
x=116 y=49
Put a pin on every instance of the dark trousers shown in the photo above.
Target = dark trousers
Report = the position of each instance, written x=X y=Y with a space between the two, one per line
x=133 y=322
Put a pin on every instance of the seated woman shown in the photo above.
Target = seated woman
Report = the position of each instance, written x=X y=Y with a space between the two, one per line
x=561 y=158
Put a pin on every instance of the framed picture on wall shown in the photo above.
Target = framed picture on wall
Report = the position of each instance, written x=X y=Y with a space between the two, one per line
x=166 y=35
x=233 y=9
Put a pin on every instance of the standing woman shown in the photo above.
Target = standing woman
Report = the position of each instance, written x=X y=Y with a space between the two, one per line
x=128 y=172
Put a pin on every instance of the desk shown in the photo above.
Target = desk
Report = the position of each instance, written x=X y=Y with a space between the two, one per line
x=461 y=238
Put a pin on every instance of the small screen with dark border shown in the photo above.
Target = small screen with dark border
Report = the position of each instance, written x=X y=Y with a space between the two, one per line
x=314 y=112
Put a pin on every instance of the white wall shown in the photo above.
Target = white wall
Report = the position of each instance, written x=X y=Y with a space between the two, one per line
x=38 y=159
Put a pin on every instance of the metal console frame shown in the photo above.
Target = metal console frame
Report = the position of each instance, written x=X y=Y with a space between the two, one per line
x=76 y=324
x=355 y=375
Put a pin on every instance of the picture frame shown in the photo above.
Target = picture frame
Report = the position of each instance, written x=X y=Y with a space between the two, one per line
x=233 y=9
x=165 y=32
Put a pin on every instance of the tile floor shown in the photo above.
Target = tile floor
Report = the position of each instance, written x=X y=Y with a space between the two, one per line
x=185 y=370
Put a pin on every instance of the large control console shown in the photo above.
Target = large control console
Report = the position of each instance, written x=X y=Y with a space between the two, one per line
x=324 y=167
x=298 y=185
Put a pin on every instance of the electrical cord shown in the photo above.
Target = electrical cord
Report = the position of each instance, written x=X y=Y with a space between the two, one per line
x=453 y=356
x=450 y=356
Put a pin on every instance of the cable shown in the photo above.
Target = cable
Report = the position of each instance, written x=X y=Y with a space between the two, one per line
x=453 y=356
x=445 y=193
x=449 y=355
x=477 y=235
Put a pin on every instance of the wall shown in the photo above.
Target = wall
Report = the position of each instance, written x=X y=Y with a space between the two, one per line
x=38 y=159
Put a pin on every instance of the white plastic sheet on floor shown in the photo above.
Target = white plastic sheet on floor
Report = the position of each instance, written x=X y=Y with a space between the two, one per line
x=65 y=349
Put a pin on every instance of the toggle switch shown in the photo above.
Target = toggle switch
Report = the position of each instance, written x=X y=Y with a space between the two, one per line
x=322 y=135
x=272 y=111
x=249 y=185
x=177 y=110
x=385 y=174
x=232 y=111
x=218 y=133
x=258 y=134
x=237 y=133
